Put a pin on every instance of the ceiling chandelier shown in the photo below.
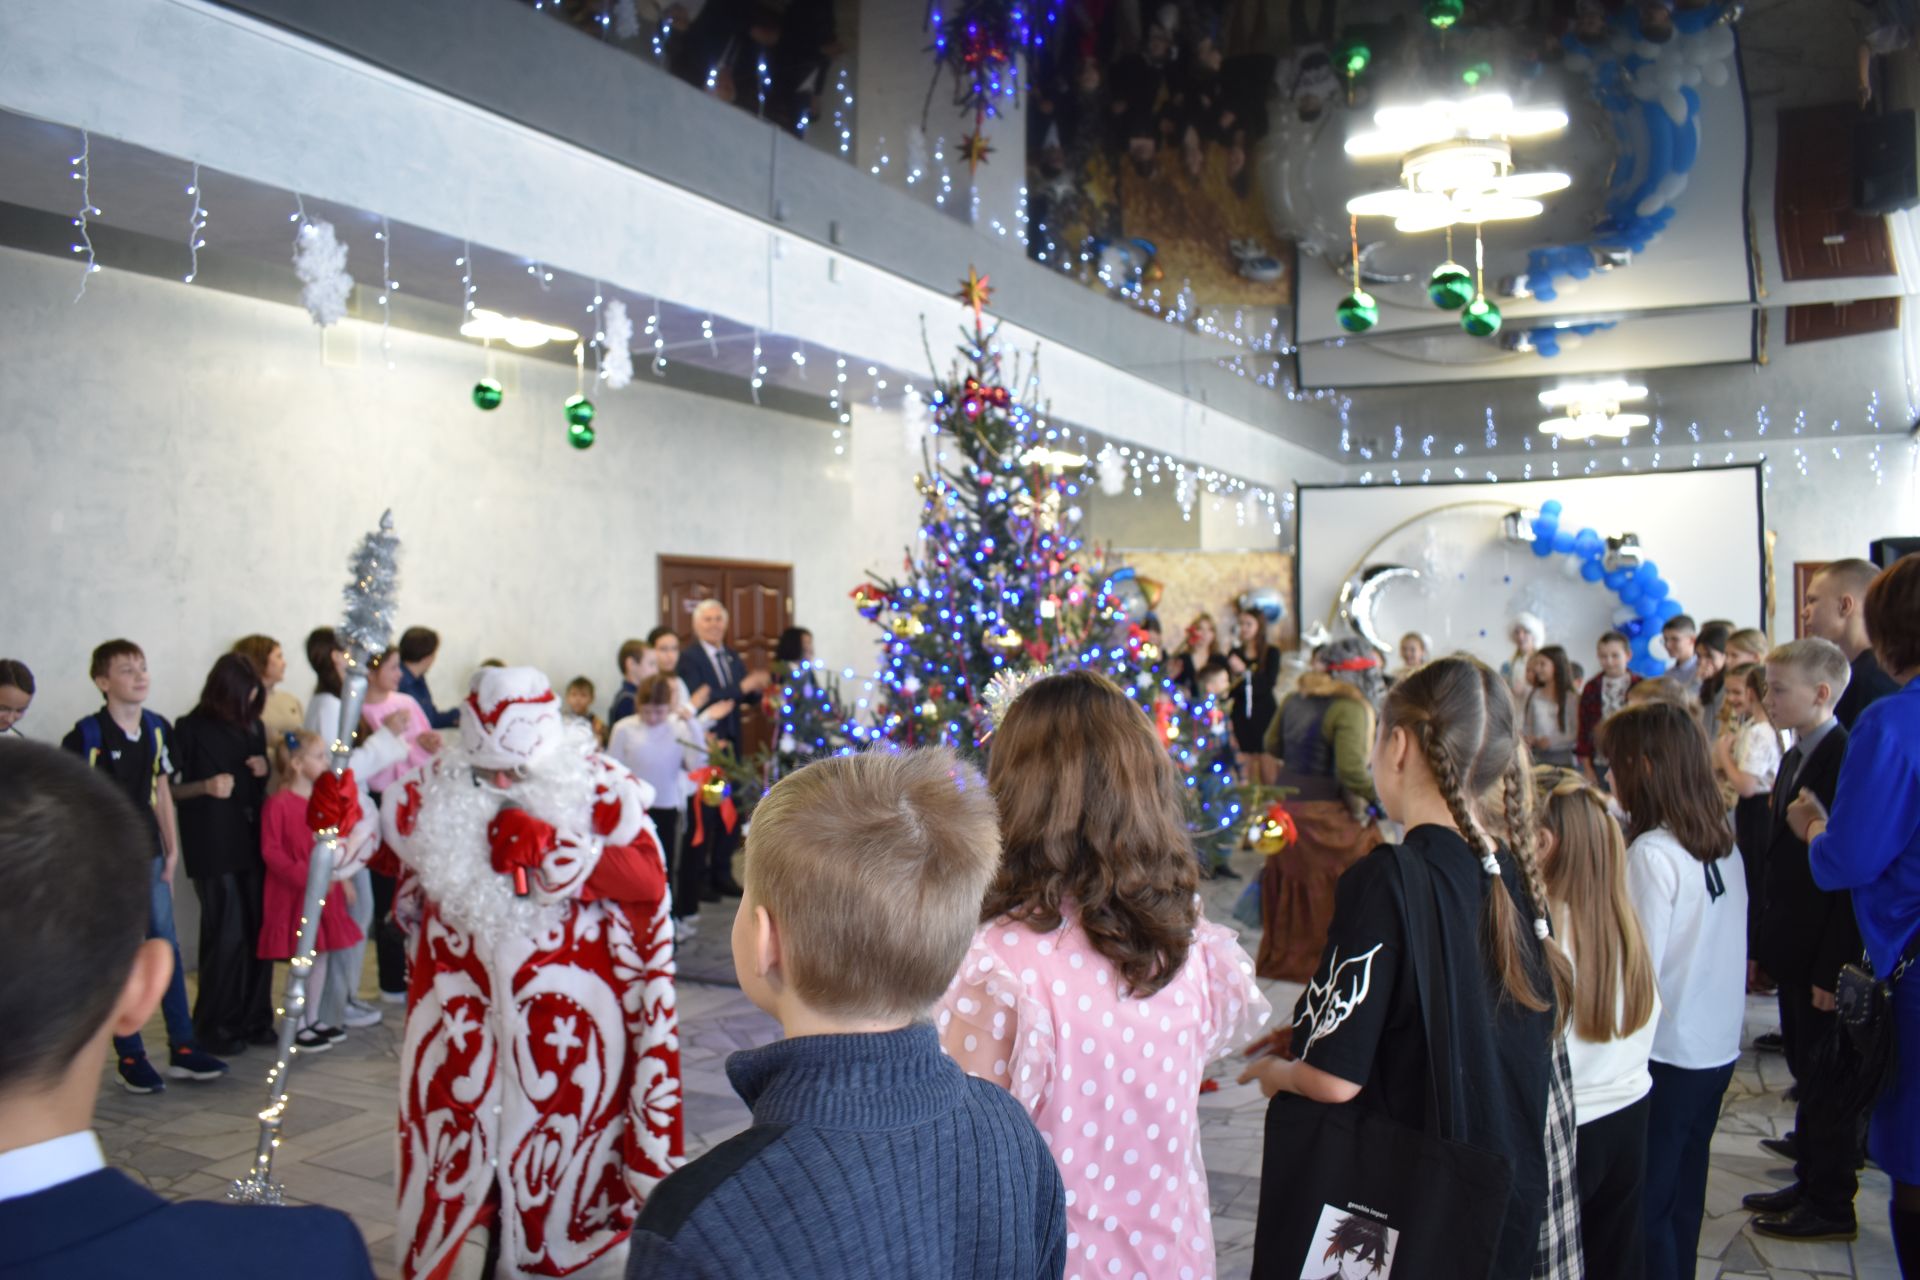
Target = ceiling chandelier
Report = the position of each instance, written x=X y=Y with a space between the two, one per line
x=1456 y=162
x=1592 y=410
x=1456 y=169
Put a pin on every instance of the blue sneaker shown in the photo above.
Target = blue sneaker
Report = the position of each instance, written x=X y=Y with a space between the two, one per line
x=138 y=1076
x=191 y=1064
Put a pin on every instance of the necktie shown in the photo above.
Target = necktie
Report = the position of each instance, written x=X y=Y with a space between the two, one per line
x=1790 y=772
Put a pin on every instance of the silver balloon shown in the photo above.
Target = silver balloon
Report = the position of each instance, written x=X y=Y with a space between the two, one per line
x=1358 y=597
x=1623 y=552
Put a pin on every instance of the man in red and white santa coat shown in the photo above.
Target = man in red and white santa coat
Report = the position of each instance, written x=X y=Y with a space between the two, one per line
x=540 y=1074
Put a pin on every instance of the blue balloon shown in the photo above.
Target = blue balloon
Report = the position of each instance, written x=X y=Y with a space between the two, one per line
x=1639 y=645
x=1630 y=591
x=1646 y=573
x=1592 y=570
x=1543 y=547
x=1657 y=589
x=1588 y=543
x=1616 y=579
x=1669 y=608
x=1647 y=606
x=1551 y=508
x=1563 y=542
x=1632 y=628
x=1648 y=666
x=1545 y=527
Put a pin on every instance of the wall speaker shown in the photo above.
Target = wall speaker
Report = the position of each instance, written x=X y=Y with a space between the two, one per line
x=1884 y=178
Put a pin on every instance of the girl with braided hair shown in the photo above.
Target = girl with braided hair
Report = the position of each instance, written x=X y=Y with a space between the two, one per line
x=1448 y=765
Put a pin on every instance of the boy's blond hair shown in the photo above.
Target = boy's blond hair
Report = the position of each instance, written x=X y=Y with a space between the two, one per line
x=873 y=867
x=1821 y=661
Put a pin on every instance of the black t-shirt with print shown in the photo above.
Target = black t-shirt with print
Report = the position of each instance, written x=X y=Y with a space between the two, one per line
x=1359 y=1018
x=129 y=761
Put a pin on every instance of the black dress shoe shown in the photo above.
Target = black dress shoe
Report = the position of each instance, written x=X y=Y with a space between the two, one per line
x=221 y=1048
x=1225 y=872
x=1787 y=1147
x=1792 y=1094
x=1804 y=1222
x=264 y=1038
x=1773 y=1201
x=1771 y=1042
x=731 y=889
x=710 y=895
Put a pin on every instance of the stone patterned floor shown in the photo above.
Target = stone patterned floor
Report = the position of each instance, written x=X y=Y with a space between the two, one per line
x=338 y=1148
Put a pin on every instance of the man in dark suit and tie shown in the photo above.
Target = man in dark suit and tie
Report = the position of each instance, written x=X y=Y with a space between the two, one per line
x=706 y=662
x=75 y=970
x=1804 y=935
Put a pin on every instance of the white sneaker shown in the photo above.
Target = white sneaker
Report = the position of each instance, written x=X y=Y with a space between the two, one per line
x=686 y=928
x=362 y=1015
x=393 y=997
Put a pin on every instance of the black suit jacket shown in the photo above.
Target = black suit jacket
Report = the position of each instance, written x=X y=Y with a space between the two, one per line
x=106 y=1226
x=1806 y=932
x=696 y=669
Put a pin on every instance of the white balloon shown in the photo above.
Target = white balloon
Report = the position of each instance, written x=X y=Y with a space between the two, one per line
x=1690 y=76
x=1676 y=106
x=1715 y=73
x=1670 y=76
x=1645 y=87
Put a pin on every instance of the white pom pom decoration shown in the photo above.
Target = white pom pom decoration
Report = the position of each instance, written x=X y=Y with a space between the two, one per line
x=616 y=359
x=320 y=260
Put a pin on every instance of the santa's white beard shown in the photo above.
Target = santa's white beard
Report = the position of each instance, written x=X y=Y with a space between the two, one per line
x=450 y=852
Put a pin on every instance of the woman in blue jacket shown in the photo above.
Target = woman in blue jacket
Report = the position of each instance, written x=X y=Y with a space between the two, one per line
x=1871 y=845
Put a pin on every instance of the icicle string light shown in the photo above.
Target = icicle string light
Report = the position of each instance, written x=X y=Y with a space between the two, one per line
x=83 y=174
x=196 y=223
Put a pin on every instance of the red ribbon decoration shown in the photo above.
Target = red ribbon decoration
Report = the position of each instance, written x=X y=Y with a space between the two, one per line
x=728 y=814
x=1278 y=816
x=974 y=396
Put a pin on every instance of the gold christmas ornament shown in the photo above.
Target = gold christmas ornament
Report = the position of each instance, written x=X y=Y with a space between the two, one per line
x=906 y=626
x=1004 y=641
x=714 y=792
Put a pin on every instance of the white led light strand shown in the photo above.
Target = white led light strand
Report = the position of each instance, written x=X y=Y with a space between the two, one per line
x=196 y=223
x=83 y=174
x=387 y=287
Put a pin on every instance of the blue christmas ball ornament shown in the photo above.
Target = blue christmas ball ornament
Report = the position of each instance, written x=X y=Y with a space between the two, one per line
x=1563 y=542
x=1592 y=570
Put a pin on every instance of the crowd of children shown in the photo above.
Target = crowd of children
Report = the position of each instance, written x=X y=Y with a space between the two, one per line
x=1001 y=996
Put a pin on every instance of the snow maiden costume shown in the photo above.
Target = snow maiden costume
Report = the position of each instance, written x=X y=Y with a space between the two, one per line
x=540 y=1072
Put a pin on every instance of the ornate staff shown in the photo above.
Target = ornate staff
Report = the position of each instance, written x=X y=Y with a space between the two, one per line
x=367 y=631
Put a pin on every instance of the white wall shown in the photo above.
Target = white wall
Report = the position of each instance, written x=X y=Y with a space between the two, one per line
x=1701 y=527
x=182 y=469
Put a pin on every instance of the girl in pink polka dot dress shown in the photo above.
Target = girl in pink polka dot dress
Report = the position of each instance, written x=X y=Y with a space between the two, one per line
x=1095 y=991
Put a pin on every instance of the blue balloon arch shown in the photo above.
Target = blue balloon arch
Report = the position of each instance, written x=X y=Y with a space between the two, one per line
x=1640 y=587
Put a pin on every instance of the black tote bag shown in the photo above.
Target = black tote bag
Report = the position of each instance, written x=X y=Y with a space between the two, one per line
x=1344 y=1184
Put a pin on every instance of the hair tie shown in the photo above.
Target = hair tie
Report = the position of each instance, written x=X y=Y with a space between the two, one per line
x=1540 y=929
x=293 y=740
x=1490 y=864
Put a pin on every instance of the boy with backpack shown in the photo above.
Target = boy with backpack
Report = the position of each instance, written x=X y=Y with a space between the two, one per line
x=129 y=744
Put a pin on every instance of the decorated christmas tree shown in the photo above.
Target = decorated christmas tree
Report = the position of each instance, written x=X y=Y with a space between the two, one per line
x=812 y=719
x=1001 y=580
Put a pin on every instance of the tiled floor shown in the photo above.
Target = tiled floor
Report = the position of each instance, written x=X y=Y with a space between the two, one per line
x=339 y=1150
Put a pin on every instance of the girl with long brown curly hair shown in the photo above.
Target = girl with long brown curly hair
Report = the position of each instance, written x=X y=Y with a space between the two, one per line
x=1096 y=991
x=1689 y=887
x=1449 y=767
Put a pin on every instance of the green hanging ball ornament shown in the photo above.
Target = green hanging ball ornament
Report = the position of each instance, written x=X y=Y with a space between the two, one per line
x=1442 y=14
x=1351 y=56
x=1450 y=287
x=1481 y=318
x=487 y=394
x=579 y=422
x=1357 y=312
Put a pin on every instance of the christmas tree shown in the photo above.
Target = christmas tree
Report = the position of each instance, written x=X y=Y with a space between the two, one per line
x=1001 y=580
x=812 y=719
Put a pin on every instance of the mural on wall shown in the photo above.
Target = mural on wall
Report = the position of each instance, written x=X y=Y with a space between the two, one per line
x=1144 y=123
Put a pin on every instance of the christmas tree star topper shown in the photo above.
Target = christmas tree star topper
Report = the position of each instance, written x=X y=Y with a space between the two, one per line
x=976 y=293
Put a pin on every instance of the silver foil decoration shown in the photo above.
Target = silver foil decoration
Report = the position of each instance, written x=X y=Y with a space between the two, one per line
x=367 y=631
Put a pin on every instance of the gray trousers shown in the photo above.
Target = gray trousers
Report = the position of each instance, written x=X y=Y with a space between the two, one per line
x=343 y=966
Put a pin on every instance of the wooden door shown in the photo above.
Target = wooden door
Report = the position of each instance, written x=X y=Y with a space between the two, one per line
x=1803 y=571
x=1821 y=237
x=759 y=600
